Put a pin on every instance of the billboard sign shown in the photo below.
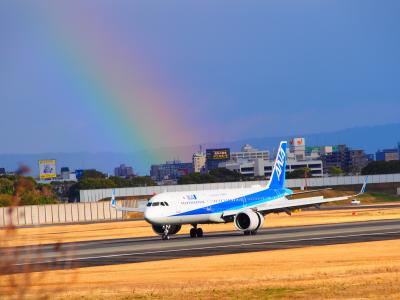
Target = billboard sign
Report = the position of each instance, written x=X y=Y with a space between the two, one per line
x=47 y=169
x=218 y=154
x=298 y=142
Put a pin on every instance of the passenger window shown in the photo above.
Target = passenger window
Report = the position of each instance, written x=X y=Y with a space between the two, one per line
x=156 y=203
x=148 y=204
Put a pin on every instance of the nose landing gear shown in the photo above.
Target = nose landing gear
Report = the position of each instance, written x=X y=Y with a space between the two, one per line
x=196 y=232
x=165 y=235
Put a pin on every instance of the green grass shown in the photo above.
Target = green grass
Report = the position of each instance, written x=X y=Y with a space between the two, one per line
x=378 y=197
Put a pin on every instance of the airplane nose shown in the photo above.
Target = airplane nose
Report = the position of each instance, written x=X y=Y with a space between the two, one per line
x=149 y=215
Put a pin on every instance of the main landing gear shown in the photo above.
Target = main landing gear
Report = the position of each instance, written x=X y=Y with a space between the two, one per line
x=196 y=232
x=254 y=232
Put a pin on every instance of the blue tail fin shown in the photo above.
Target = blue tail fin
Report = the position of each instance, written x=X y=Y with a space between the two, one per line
x=277 y=179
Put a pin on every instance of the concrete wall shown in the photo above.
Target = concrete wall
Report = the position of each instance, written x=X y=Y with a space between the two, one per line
x=64 y=213
x=96 y=195
x=92 y=210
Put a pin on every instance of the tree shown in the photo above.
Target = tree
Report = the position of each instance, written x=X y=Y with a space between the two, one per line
x=335 y=171
x=299 y=173
x=215 y=175
x=382 y=167
x=226 y=175
x=140 y=181
x=92 y=174
x=6 y=200
x=133 y=181
x=21 y=190
x=6 y=186
x=196 y=178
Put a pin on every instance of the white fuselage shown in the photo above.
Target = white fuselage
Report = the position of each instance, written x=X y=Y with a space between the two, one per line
x=197 y=207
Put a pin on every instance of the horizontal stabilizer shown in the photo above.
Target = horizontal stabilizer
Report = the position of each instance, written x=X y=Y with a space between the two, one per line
x=120 y=208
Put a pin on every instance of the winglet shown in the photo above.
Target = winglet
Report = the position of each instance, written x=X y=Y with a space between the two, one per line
x=113 y=201
x=363 y=187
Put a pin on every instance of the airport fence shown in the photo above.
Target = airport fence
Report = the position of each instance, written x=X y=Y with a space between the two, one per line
x=98 y=194
x=91 y=209
x=64 y=213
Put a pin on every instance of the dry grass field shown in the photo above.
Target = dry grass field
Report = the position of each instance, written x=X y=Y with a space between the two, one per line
x=113 y=230
x=353 y=271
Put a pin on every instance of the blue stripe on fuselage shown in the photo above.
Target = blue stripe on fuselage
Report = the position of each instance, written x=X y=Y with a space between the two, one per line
x=237 y=203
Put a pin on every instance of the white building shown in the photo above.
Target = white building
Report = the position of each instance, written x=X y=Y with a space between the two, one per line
x=250 y=153
x=262 y=167
x=253 y=162
x=199 y=162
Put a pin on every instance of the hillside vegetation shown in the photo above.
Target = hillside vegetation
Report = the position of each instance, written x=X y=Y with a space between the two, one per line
x=19 y=190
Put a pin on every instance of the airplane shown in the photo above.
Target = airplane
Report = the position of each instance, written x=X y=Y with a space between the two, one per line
x=245 y=207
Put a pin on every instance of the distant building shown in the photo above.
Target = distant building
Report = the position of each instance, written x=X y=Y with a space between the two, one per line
x=216 y=156
x=351 y=161
x=123 y=171
x=65 y=173
x=252 y=162
x=260 y=167
x=298 y=148
x=2 y=171
x=387 y=154
x=358 y=161
x=370 y=157
x=249 y=153
x=199 y=162
x=171 y=170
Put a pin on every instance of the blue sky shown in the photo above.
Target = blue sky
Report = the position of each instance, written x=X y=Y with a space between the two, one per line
x=245 y=68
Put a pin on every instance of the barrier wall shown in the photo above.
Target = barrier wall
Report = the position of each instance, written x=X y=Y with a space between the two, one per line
x=90 y=209
x=64 y=213
x=96 y=195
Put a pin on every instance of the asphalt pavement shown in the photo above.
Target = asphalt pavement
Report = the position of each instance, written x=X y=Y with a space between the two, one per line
x=133 y=250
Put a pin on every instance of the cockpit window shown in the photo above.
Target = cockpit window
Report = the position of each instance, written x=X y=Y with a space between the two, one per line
x=156 y=203
x=166 y=204
x=162 y=204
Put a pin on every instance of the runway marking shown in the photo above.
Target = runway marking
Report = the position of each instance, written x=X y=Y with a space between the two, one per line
x=209 y=247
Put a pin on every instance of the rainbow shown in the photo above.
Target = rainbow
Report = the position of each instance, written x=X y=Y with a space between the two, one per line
x=139 y=112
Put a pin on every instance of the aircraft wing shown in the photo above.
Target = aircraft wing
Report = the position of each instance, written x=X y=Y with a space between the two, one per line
x=310 y=191
x=288 y=206
x=128 y=209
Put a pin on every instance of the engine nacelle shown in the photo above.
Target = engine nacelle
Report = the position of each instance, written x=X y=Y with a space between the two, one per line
x=249 y=220
x=159 y=229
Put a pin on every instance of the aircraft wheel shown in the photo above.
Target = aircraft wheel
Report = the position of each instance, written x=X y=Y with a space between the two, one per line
x=199 y=232
x=193 y=232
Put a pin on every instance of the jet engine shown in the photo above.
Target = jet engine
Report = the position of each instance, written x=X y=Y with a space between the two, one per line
x=249 y=221
x=159 y=229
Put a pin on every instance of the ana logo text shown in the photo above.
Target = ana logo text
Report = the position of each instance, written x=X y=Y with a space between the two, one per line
x=280 y=162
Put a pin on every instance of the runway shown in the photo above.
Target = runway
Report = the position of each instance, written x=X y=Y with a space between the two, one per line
x=133 y=250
